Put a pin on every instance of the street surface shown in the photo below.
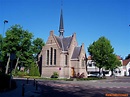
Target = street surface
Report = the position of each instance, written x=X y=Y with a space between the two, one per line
x=119 y=87
x=110 y=87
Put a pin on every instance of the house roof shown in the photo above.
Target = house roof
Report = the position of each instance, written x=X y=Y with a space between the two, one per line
x=119 y=58
x=125 y=62
x=90 y=57
x=76 y=52
x=64 y=42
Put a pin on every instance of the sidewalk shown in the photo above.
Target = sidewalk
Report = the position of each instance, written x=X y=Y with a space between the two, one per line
x=29 y=89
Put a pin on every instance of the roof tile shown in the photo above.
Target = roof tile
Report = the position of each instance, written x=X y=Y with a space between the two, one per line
x=125 y=62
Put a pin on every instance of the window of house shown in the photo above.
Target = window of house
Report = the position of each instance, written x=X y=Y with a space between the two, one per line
x=54 y=56
x=90 y=65
x=106 y=72
x=47 y=57
x=51 y=56
x=65 y=59
x=94 y=64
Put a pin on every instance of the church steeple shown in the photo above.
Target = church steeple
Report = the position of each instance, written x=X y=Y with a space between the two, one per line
x=61 y=27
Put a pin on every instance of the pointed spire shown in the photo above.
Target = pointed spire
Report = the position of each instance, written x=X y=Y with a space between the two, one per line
x=61 y=27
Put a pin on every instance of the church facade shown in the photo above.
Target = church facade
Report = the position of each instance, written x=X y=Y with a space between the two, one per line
x=62 y=55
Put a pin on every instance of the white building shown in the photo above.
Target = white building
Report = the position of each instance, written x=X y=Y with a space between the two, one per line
x=93 y=70
x=126 y=67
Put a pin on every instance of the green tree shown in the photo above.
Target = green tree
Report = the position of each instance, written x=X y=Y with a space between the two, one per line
x=17 y=41
x=33 y=71
x=1 y=39
x=112 y=63
x=21 y=43
x=101 y=51
x=38 y=43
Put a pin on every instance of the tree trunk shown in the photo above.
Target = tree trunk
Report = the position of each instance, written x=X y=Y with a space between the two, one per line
x=99 y=71
x=112 y=72
x=16 y=65
x=103 y=73
x=7 y=66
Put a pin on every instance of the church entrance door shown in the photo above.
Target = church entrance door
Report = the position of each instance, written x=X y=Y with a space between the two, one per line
x=72 y=71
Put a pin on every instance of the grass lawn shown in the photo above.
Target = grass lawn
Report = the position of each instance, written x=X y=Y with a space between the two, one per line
x=65 y=79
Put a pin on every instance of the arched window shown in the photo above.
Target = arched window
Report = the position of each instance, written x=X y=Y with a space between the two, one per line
x=51 y=56
x=47 y=57
x=54 y=56
x=65 y=59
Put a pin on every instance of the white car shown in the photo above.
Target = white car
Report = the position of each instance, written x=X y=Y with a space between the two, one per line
x=96 y=75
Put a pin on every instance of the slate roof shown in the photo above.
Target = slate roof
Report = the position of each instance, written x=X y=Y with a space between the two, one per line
x=64 y=42
x=76 y=52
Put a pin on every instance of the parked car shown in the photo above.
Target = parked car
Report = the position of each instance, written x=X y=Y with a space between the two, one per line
x=95 y=74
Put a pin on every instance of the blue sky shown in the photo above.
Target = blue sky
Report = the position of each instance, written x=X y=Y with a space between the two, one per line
x=90 y=19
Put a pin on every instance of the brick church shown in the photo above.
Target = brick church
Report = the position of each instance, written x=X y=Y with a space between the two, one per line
x=62 y=55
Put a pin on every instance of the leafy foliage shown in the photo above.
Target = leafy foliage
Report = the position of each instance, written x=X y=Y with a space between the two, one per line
x=37 y=46
x=21 y=43
x=113 y=62
x=102 y=53
x=55 y=75
x=34 y=70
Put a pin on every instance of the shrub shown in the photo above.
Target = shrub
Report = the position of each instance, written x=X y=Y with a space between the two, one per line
x=55 y=75
x=79 y=76
x=34 y=70
x=21 y=73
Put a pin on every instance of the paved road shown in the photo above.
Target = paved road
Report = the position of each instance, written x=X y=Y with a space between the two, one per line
x=99 y=88
x=96 y=88
x=29 y=89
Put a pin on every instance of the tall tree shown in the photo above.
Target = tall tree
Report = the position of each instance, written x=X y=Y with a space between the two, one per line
x=1 y=39
x=23 y=50
x=38 y=43
x=20 y=42
x=112 y=63
x=101 y=51
x=11 y=42
x=17 y=41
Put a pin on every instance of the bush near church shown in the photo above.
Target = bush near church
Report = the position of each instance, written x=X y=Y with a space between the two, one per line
x=34 y=70
x=55 y=75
